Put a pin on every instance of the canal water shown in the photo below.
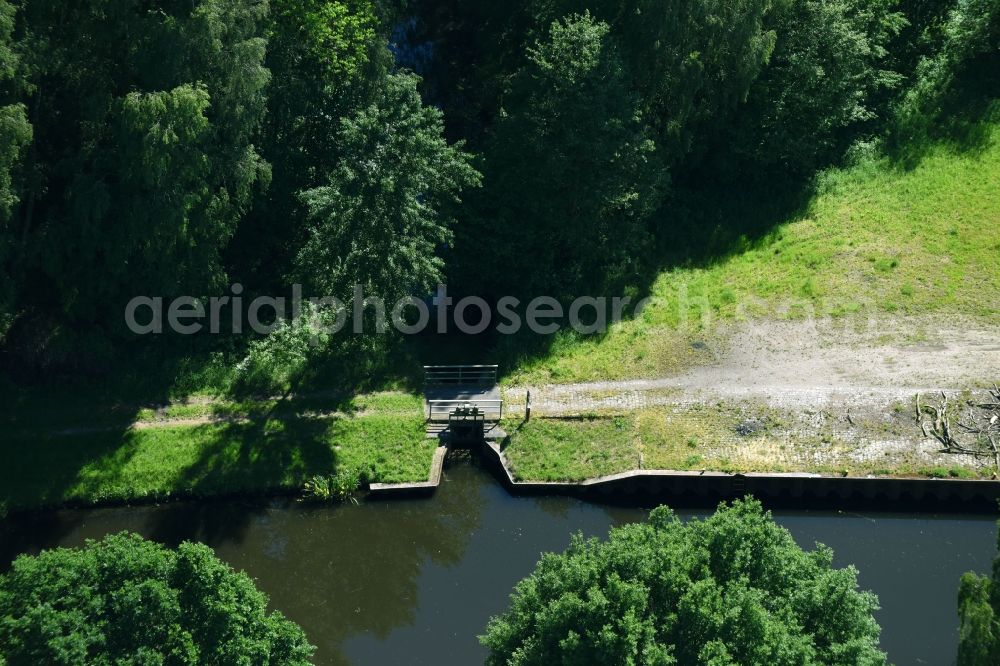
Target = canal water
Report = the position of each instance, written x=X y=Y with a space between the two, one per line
x=415 y=581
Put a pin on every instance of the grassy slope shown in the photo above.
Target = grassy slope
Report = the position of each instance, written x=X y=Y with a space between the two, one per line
x=876 y=239
x=267 y=446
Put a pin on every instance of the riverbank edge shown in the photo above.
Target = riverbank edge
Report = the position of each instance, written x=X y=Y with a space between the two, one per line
x=418 y=487
x=791 y=488
x=688 y=488
x=705 y=488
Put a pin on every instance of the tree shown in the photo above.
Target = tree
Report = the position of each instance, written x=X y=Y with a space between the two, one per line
x=124 y=600
x=979 y=617
x=324 y=57
x=143 y=159
x=15 y=135
x=15 y=131
x=691 y=62
x=821 y=87
x=731 y=589
x=969 y=54
x=384 y=211
x=571 y=171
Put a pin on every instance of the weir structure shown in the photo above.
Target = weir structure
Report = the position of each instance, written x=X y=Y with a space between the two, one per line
x=463 y=404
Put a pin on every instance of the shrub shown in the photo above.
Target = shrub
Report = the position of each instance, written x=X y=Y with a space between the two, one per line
x=275 y=361
x=125 y=600
x=338 y=487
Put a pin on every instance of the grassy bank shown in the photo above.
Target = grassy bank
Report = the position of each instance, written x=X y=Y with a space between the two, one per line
x=875 y=239
x=211 y=448
x=731 y=437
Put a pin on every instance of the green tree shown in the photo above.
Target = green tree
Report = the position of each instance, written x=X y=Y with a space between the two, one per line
x=143 y=159
x=385 y=209
x=15 y=131
x=124 y=600
x=731 y=589
x=335 y=35
x=572 y=173
x=325 y=58
x=15 y=135
x=690 y=61
x=969 y=54
x=979 y=617
x=822 y=86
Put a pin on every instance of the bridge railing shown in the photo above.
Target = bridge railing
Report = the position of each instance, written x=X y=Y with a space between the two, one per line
x=466 y=375
x=440 y=410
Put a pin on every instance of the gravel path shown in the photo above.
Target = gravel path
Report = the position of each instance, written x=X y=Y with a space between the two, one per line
x=800 y=364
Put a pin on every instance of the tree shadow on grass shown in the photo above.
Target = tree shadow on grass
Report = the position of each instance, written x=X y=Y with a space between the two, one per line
x=707 y=221
x=265 y=453
x=273 y=448
x=274 y=451
x=75 y=441
x=228 y=466
x=963 y=120
x=704 y=223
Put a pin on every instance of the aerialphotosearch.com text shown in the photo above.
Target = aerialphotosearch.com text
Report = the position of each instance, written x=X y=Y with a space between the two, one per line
x=544 y=315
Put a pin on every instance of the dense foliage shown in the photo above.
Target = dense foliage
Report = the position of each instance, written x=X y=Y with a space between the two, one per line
x=820 y=87
x=325 y=58
x=167 y=148
x=15 y=134
x=570 y=160
x=731 y=589
x=124 y=600
x=691 y=62
x=967 y=56
x=979 y=617
x=381 y=214
x=143 y=158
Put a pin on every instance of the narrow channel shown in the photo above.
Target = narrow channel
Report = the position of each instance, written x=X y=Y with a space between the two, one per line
x=415 y=581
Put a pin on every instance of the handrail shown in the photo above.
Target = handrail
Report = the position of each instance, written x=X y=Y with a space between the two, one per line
x=470 y=401
x=460 y=374
x=443 y=408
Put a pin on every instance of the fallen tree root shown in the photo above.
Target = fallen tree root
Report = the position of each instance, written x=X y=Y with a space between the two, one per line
x=980 y=424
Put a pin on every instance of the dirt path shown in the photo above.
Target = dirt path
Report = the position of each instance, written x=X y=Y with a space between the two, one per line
x=800 y=364
x=212 y=419
x=790 y=396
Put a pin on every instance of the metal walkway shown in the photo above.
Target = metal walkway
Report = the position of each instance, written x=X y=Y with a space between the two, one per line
x=451 y=390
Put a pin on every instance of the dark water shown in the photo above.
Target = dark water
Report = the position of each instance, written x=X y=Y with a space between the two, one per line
x=414 y=582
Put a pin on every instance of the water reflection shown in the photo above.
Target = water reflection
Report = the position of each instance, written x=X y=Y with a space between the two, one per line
x=414 y=582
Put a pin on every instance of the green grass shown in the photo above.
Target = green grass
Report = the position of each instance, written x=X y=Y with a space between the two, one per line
x=707 y=437
x=388 y=401
x=875 y=239
x=572 y=449
x=275 y=450
x=384 y=402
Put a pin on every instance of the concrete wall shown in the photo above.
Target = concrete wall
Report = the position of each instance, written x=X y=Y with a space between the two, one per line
x=785 y=490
